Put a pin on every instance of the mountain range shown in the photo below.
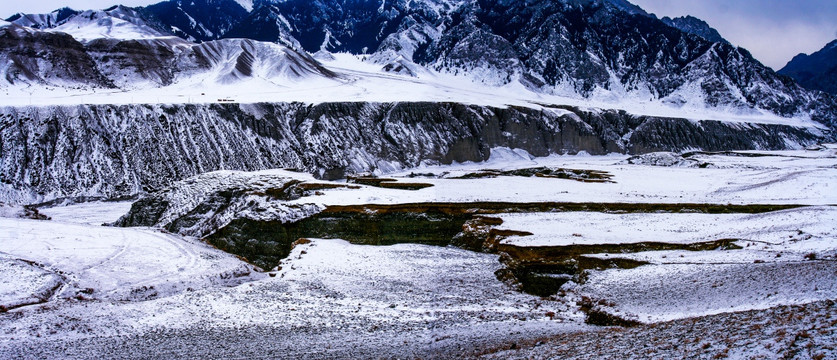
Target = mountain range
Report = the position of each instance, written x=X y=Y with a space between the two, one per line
x=591 y=49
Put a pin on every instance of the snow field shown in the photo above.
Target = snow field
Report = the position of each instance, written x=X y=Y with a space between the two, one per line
x=118 y=263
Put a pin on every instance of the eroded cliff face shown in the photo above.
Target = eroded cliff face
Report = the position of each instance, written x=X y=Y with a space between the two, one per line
x=119 y=150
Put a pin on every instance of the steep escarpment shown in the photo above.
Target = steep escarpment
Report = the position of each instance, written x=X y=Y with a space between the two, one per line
x=118 y=150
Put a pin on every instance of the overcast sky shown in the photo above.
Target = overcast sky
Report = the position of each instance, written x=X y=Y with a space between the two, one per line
x=773 y=30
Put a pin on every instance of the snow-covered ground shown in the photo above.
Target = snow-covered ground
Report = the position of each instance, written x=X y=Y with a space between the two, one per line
x=818 y=225
x=161 y=295
x=786 y=257
x=654 y=293
x=107 y=262
x=785 y=332
x=92 y=213
x=330 y=297
x=799 y=177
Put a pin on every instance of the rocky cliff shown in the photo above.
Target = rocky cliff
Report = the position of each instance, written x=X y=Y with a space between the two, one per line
x=118 y=150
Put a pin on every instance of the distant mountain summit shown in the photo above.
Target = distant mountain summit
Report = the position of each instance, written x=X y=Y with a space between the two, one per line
x=693 y=25
x=817 y=71
x=118 y=22
x=43 y=21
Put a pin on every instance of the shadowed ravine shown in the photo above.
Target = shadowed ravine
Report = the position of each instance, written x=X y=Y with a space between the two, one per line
x=536 y=270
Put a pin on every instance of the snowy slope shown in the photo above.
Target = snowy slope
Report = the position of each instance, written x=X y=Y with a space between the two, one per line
x=246 y=4
x=100 y=63
x=43 y=21
x=198 y=20
x=117 y=23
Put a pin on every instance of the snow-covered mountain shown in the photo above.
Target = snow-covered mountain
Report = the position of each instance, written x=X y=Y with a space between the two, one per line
x=604 y=50
x=817 y=71
x=118 y=22
x=39 y=58
x=199 y=20
x=43 y=21
x=600 y=51
x=54 y=59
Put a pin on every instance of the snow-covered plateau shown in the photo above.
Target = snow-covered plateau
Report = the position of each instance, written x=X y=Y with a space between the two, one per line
x=651 y=259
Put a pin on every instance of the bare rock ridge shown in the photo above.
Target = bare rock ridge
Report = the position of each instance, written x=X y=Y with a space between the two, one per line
x=118 y=150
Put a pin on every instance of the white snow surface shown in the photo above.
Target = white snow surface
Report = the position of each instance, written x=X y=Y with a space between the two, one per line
x=91 y=25
x=90 y=213
x=25 y=283
x=786 y=257
x=117 y=263
x=412 y=293
x=592 y=228
x=654 y=293
x=246 y=4
x=792 y=177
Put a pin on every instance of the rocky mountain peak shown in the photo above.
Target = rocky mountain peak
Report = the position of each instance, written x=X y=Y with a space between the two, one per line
x=695 y=26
